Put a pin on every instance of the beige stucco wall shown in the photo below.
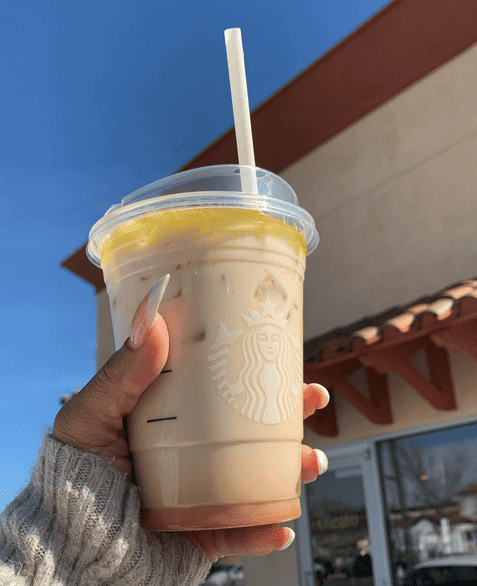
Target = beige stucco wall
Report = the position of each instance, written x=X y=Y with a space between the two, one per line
x=394 y=197
x=104 y=333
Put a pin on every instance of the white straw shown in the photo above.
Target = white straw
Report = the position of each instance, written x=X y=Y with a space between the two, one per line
x=241 y=108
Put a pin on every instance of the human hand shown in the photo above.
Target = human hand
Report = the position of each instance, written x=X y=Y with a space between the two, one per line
x=94 y=421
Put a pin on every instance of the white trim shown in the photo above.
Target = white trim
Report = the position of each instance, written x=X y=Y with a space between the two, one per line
x=376 y=518
x=354 y=446
x=426 y=428
x=305 y=555
x=346 y=455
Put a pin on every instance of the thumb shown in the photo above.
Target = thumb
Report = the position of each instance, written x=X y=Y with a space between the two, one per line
x=119 y=384
x=127 y=374
x=93 y=419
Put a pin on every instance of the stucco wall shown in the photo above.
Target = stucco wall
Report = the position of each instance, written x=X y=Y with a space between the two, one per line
x=394 y=200
x=104 y=333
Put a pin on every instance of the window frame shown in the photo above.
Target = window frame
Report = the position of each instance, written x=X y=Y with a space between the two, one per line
x=366 y=452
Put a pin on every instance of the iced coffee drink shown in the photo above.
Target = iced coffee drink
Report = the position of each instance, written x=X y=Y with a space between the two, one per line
x=216 y=439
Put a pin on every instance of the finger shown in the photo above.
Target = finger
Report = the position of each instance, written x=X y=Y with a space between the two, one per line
x=315 y=396
x=256 y=541
x=313 y=462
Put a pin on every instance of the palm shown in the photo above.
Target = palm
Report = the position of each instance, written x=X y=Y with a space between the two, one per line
x=76 y=424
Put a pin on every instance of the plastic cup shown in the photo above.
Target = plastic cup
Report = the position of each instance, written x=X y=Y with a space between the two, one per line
x=216 y=439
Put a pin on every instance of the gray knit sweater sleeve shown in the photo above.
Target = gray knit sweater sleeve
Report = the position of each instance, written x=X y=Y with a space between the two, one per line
x=77 y=524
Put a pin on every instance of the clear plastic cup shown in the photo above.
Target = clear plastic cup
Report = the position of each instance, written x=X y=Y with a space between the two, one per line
x=216 y=439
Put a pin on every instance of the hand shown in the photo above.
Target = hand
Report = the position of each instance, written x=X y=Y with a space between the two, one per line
x=93 y=421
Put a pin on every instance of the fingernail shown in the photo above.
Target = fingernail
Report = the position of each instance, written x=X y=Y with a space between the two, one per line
x=322 y=461
x=324 y=389
x=146 y=313
x=289 y=541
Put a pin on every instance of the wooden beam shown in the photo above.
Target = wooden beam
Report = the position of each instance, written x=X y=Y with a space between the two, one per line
x=376 y=406
x=324 y=422
x=438 y=390
x=466 y=336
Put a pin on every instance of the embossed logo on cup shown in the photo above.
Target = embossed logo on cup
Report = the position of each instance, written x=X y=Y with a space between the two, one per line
x=266 y=390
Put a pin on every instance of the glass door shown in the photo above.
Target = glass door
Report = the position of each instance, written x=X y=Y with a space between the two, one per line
x=345 y=521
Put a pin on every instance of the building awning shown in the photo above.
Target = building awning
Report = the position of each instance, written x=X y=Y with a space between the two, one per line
x=440 y=324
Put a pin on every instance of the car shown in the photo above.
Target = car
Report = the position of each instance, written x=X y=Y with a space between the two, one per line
x=458 y=570
x=225 y=576
x=218 y=576
x=323 y=568
x=237 y=576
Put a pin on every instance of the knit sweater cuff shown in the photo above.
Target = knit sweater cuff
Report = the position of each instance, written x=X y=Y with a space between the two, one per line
x=77 y=523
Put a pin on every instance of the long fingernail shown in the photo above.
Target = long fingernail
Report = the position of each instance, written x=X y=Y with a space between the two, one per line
x=289 y=541
x=146 y=313
x=322 y=461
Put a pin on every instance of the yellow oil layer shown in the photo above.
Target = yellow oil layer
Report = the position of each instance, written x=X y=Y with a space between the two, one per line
x=214 y=224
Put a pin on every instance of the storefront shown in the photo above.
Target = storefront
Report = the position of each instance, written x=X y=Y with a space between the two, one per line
x=379 y=140
x=385 y=506
x=405 y=494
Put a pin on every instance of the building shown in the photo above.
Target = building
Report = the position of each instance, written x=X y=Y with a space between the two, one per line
x=378 y=138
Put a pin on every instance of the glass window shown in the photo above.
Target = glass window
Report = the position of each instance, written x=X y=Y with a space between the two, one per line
x=455 y=575
x=430 y=488
x=339 y=529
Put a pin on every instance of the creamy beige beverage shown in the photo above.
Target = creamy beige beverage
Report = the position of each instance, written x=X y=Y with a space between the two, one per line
x=216 y=439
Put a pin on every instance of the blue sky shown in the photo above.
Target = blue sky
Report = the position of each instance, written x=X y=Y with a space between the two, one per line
x=98 y=99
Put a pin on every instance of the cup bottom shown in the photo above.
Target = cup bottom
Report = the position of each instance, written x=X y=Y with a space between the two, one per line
x=220 y=516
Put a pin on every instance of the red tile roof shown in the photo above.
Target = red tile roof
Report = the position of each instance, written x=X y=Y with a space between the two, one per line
x=394 y=324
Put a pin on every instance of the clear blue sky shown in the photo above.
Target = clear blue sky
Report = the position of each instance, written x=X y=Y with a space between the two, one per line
x=97 y=100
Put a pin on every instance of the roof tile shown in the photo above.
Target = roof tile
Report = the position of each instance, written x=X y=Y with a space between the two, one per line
x=458 y=299
x=401 y=322
x=464 y=289
x=369 y=334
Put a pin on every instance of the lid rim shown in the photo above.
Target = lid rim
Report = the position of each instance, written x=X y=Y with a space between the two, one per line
x=275 y=198
x=294 y=212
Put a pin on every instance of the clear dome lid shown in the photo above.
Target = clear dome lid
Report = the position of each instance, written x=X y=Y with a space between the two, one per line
x=215 y=186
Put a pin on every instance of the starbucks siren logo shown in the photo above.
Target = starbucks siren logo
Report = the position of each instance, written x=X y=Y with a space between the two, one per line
x=266 y=390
